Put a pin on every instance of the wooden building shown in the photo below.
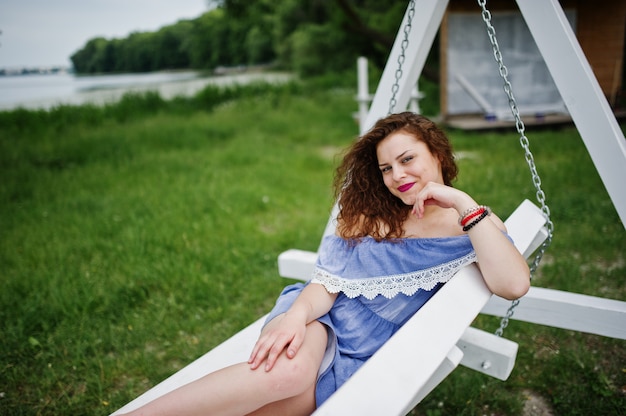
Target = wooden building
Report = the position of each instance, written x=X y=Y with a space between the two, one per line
x=469 y=74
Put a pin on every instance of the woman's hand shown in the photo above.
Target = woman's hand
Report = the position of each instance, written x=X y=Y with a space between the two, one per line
x=284 y=331
x=287 y=330
x=443 y=196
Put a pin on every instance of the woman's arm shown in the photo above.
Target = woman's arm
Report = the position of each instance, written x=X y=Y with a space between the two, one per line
x=287 y=330
x=503 y=268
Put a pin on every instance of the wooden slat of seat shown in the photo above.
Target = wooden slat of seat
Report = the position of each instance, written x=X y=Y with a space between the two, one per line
x=452 y=360
x=487 y=353
x=566 y=310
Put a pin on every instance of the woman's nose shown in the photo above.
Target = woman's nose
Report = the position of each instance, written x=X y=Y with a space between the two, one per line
x=398 y=173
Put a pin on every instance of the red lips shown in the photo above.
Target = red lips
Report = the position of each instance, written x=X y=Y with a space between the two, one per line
x=406 y=187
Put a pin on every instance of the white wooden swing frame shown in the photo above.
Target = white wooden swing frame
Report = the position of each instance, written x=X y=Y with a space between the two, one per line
x=439 y=337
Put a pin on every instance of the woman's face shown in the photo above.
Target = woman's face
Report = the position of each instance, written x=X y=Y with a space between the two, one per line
x=407 y=165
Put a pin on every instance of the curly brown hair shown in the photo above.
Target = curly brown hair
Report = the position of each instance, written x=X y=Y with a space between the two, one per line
x=366 y=207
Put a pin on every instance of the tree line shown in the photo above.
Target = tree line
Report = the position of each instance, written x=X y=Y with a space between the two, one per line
x=309 y=37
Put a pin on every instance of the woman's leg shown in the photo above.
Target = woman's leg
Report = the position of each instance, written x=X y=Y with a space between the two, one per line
x=237 y=390
x=302 y=405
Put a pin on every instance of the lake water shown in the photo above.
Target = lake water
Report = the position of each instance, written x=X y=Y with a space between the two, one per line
x=46 y=91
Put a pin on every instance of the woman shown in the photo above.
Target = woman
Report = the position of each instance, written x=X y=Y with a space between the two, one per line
x=402 y=232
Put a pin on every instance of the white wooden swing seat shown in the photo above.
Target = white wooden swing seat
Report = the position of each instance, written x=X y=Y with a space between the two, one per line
x=417 y=358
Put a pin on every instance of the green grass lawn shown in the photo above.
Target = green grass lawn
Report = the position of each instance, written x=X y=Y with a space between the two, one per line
x=137 y=237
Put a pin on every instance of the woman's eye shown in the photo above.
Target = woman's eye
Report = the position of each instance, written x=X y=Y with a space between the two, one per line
x=407 y=159
x=386 y=169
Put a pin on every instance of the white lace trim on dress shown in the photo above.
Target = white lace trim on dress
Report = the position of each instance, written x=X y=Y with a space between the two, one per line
x=390 y=286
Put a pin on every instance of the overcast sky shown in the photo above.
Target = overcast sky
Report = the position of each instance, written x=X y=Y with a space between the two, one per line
x=47 y=33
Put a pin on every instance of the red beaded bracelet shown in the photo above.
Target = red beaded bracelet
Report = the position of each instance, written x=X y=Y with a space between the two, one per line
x=476 y=221
x=471 y=215
x=472 y=212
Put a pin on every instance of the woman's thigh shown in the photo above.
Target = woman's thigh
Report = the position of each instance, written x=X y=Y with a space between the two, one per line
x=310 y=355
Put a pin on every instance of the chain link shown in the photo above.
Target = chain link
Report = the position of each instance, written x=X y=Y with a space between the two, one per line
x=401 y=58
x=525 y=144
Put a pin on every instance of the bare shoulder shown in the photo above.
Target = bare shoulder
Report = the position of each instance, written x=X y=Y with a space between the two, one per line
x=360 y=228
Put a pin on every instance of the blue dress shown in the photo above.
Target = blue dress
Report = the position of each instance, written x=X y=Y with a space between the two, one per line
x=380 y=285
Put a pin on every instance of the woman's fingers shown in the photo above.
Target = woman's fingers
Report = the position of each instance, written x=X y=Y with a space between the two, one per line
x=273 y=354
x=254 y=363
x=437 y=194
x=294 y=345
x=267 y=349
x=260 y=351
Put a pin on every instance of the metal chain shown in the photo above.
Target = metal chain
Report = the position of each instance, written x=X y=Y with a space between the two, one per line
x=519 y=124
x=405 y=42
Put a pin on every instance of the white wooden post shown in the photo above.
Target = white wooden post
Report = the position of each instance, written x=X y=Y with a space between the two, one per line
x=581 y=93
x=426 y=22
x=363 y=94
x=414 y=103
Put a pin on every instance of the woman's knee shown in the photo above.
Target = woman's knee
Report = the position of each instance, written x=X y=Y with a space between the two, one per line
x=291 y=376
